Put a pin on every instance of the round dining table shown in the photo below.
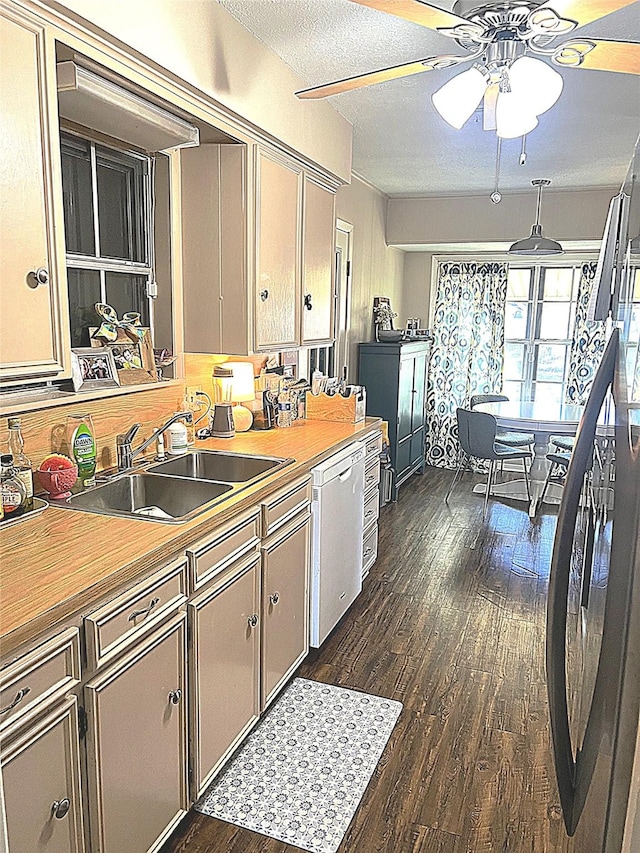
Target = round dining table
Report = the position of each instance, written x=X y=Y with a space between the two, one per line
x=543 y=419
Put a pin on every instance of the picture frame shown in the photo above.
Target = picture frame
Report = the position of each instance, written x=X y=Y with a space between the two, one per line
x=93 y=369
x=134 y=359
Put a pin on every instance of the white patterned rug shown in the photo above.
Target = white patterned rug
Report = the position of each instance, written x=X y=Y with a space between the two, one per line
x=301 y=773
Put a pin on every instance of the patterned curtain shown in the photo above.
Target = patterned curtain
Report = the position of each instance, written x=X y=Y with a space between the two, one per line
x=587 y=345
x=467 y=351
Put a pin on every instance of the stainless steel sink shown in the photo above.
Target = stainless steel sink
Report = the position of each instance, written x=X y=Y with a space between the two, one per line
x=166 y=499
x=220 y=466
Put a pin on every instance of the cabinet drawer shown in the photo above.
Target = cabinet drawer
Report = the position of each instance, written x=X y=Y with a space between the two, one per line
x=47 y=672
x=371 y=510
x=372 y=476
x=278 y=508
x=135 y=612
x=369 y=550
x=215 y=553
x=373 y=447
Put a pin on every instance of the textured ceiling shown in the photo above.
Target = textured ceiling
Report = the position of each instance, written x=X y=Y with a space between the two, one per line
x=403 y=147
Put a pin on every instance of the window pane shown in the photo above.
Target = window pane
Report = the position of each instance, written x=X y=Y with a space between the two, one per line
x=77 y=196
x=126 y=292
x=636 y=286
x=84 y=292
x=547 y=392
x=513 y=361
x=554 y=320
x=558 y=283
x=515 y=320
x=121 y=208
x=519 y=284
x=513 y=390
x=550 y=362
x=634 y=325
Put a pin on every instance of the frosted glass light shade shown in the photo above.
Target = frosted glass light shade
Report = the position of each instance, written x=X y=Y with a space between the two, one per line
x=243 y=388
x=535 y=83
x=514 y=116
x=458 y=99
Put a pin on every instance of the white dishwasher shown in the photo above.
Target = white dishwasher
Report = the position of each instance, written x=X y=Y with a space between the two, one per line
x=336 y=551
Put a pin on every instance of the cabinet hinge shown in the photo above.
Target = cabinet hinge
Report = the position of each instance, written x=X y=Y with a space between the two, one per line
x=82 y=722
x=348 y=268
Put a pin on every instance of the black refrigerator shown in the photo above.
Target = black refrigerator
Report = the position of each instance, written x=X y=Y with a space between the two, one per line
x=593 y=610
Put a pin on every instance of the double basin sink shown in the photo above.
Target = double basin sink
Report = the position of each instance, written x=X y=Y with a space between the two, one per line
x=179 y=489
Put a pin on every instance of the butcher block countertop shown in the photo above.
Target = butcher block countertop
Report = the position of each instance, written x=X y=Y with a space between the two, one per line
x=61 y=561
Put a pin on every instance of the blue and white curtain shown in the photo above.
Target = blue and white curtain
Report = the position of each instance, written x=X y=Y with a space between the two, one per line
x=588 y=342
x=467 y=350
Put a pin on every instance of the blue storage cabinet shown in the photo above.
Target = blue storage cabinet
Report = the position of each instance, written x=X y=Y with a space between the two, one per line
x=395 y=375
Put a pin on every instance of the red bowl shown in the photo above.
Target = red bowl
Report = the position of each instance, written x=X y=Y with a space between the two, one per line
x=57 y=483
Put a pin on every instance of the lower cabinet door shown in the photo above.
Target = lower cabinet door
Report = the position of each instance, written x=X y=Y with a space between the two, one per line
x=285 y=605
x=137 y=744
x=41 y=778
x=225 y=666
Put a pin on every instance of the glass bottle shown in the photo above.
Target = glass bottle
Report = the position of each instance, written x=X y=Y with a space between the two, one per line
x=12 y=489
x=21 y=462
x=82 y=447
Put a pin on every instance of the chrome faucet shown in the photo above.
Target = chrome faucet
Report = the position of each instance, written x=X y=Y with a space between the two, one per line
x=126 y=454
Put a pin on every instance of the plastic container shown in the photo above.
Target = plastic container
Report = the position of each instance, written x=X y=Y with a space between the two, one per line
x=177 y=439
x=82 y=447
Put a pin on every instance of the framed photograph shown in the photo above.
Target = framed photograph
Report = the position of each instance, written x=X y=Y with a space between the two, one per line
x=93 y=368
x=133 y=359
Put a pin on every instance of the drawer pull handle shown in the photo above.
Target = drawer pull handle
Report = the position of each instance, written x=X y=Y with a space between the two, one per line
x=175 y=696
x=19 y=697
x=252 y=621
x=369 y=513
x=368 y=551
x=275 y=598
x=60 y=808
x=153 y=603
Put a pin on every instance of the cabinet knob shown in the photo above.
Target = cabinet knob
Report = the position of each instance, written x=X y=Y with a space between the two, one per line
x=264 y=294
x=175 y=696
x=275 y=598
x=307 y=302
x=39 y=276
x=60 y=808
x=252 y=621
x=18 y=698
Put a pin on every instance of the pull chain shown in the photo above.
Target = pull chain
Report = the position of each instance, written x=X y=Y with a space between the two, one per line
x=496 y=195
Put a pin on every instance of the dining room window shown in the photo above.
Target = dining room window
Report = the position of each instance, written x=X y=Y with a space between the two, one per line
x=540 y=315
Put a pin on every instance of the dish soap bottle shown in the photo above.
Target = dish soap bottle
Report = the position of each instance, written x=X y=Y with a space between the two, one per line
x=12 y=490
x=82 y=447
x=21 y=462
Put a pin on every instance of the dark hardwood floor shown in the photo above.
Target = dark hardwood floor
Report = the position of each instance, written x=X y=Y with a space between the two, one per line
x=451 y=623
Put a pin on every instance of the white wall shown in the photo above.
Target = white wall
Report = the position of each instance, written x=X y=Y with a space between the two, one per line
x=417 y=287
x=204 y=45
x=377 y=269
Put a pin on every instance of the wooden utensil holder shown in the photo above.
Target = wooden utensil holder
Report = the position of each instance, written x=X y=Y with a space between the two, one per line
x=337 y=408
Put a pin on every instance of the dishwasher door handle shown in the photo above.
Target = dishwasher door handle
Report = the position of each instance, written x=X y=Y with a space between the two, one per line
x=344 y=476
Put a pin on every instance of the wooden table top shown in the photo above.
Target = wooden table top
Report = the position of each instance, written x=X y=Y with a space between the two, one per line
x=61 y=561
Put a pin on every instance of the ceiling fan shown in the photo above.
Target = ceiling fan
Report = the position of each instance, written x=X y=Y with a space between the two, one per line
x=502 y=39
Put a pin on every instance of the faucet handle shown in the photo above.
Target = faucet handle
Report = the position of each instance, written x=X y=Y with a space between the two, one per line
x=128 y=437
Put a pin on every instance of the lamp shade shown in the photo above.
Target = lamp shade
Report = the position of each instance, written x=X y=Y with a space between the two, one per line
x=514 y=116
x=457 y=100
x=243 y=388
x=536 y=244
x=535 y=83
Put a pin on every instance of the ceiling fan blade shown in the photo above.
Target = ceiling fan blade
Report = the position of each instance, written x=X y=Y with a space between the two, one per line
x=381 y=76
x=415 y=11
x=585 y=11
x=607 y=55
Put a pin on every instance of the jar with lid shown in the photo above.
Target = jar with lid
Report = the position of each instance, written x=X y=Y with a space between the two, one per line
x=12 y=489
x=21 y=461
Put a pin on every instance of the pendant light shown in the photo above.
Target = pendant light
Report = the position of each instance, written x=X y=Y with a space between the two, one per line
x=536 y=244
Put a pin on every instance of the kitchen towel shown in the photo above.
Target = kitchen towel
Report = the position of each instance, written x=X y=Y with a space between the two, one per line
x=301 y=773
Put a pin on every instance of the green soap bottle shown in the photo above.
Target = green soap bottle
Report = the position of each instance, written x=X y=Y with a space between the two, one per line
x=82 y=446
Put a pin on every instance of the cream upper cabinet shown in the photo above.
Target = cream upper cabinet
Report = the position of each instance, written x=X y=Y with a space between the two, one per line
x=317 y=263
x=34 y=336
x=278 y=245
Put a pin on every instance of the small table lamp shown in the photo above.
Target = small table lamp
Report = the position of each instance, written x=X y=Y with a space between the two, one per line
x=242 y=391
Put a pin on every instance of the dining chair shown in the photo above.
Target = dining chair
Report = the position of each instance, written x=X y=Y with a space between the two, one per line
x=477 y=434
x=558 y=465
x=564 y=443
x=506 y=437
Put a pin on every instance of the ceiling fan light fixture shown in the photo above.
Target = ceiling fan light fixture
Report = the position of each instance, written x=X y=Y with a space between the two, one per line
x=535 y=83
x=535 y=244
x=459 y=98
x=514 y=116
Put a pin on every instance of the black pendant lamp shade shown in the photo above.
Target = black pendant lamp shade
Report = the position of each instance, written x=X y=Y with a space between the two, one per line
x=536 y=244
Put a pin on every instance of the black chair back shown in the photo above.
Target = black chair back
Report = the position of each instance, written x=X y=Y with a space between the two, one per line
x=476 y=399
x=477 y=433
